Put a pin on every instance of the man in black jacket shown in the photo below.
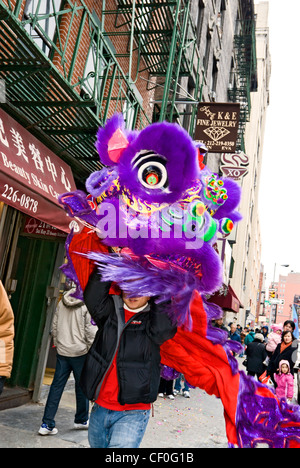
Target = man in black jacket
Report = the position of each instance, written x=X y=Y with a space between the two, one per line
x=122 y=371
x=256 y=354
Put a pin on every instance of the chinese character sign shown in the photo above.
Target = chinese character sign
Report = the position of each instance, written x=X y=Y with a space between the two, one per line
x=26 y=159
x=31 y=175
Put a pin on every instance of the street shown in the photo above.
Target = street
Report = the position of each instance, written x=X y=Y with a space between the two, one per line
x=195 y=422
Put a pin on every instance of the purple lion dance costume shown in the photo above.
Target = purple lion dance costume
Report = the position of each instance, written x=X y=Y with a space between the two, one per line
x=151 y=219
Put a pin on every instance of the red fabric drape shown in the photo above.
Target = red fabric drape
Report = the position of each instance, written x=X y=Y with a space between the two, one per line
x=204 y=364
x=84 y=242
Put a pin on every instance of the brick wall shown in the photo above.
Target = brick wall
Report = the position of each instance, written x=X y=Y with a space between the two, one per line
x=65 y=46
x=120 y=43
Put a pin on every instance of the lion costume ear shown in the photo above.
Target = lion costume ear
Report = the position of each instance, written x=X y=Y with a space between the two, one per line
x=112 y=140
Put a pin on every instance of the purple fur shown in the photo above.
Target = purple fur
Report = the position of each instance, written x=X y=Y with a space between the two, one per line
x=100 y=181
x=199 y=265
x=168 y=373
x=76 y=205
x=263 y=420
x=143 y=279
x=172 y=142
x=229 y=209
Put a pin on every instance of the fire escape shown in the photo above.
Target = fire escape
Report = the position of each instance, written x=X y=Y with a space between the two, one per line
x=165 y=39
x=64 y=107
x=245 y=79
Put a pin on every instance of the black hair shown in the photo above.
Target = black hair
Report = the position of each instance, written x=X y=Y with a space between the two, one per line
x=285 y=332
x=290 y=322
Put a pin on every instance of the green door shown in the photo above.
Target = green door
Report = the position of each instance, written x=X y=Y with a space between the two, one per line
x=33 y=269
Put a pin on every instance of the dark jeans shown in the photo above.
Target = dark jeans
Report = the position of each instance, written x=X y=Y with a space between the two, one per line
x=64 y=367
x=177 y=386
x=166 y=386
x=2 y=380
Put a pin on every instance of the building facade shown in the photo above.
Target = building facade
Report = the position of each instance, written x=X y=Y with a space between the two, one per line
x=283 y=294
x=66 y=68
x=247 y=248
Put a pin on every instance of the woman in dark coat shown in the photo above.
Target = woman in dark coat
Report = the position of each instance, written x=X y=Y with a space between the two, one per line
x=256 y=354
x=286 y=350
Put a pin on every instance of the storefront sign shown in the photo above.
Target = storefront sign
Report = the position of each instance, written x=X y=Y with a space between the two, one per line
x=32 y=176
x=227 y=299
x=217 y=126
x=234 y=165
x=35 y=227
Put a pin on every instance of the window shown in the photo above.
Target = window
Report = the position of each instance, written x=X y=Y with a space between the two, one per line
x=248 y=244
x=231 y=267
x=129 y=111
x=199 y=21
x=207 y=50
x=143 y=18
x=95 y=66
x=232 y=79
x=245 y=279
x=43 y=32
x=251 y=210
x=214 y=79
x=221 y=18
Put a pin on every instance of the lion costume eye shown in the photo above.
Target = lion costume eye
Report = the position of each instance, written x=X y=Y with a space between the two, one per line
x=152 y=172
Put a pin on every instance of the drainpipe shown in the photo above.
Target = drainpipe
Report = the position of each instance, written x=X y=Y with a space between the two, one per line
x=131 y=40
x=185 y=22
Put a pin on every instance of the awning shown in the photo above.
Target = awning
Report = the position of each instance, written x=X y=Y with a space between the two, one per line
x=227 y=299
x=32 y=176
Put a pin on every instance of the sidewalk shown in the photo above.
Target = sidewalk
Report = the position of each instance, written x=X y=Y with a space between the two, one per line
x=19 y=426
x=184 y=422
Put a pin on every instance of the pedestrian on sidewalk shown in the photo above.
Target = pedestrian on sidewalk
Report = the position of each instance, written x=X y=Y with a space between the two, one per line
x=284 y=381
x=289 y=325
x=265 y=332
x=122 y=370
x=233 y=334
x=256 y=354
x=166 y=388
x=219 y=323
x=286 y=350
x=185 y=390
x=73 y=334
x=6 y=337
x=249 y=338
